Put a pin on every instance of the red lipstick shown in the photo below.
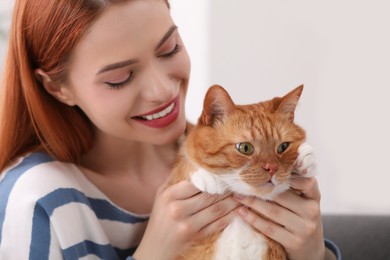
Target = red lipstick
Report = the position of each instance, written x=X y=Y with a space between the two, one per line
x=162 y=116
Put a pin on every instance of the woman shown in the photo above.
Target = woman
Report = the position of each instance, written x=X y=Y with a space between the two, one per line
x=91 y=110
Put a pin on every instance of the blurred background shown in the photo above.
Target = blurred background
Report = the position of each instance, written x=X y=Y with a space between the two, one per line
x=339 y=50
x=5 y=19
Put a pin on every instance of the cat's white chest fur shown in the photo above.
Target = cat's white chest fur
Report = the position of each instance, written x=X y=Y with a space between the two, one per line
x=240 y=241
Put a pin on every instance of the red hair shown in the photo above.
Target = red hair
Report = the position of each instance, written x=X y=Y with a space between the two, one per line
x=43 y=35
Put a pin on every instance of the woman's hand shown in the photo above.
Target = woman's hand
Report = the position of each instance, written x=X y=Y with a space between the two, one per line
x=293 y=220
x=180 y=215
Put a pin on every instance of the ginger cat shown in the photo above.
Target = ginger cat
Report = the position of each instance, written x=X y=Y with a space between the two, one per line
x=247 y=149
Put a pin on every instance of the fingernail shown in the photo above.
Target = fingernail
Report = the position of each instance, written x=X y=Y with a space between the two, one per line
x=239 y=196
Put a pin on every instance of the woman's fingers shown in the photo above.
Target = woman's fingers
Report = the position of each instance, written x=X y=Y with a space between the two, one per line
x=299 y=205
x=278 y=214
x=278 y=223
x=188 y=200
x=215 y=217
x=206 y=217
x=308 y=186
x=197 y=211
x=293 y=220
x=267 y=227
x=181 y=213
x=179 y=191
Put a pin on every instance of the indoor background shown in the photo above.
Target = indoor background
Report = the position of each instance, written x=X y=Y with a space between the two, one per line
x=339 y=50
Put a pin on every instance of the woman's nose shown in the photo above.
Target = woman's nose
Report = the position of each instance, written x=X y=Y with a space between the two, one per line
x=158 y=86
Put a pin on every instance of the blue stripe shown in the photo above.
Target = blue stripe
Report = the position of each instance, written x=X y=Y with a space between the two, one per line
x=102 y=208
x=40 y=240
x=88 y=247
x=8 y=182
x=105 y=210
x=125 y=253
x=46 y=205
x=332 y=246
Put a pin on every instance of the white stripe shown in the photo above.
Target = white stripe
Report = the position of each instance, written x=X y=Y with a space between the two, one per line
x=74 y=217
x=115 y=232
x=55 y=248
x=16 y=245
x=77 y=217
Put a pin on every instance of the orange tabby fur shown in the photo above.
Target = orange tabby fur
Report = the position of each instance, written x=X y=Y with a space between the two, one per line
x=211 y=145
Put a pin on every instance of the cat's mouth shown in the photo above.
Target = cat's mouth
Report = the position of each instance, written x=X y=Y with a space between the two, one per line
x=272 y=188
x=272 y=183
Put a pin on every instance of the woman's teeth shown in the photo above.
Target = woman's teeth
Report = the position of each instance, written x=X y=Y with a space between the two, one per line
x=160 y=114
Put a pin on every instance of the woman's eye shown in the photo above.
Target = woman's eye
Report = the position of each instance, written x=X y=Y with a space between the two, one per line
x=245 y=148
x=283 y=147
x=120 y=84
x=171 y=53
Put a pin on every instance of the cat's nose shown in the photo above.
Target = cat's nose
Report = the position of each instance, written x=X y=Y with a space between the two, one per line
x=271 y=168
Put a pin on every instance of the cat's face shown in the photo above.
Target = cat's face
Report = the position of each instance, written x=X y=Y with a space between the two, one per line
x=250 y=148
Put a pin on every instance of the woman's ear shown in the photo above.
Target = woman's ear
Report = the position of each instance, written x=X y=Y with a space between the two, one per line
x=61 y=92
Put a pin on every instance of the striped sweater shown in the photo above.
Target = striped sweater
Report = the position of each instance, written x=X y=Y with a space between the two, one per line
x=50 y=210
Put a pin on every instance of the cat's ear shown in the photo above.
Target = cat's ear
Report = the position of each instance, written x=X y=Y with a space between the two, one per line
x=287 y=104
x=217 y=104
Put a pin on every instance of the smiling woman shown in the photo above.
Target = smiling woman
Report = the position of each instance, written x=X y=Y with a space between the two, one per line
x=82 y=86
x=91 y=118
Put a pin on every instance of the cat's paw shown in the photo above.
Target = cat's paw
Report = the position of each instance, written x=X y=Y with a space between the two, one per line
x=207 y=182
x=305 y=164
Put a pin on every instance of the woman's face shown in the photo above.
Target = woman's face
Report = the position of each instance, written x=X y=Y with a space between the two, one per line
x=130 y=73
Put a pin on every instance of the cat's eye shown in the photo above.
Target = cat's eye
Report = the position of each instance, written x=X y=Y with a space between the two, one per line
x=283 y=147
x=245 y=148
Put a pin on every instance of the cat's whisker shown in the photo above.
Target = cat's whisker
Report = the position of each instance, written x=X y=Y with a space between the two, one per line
x=234 y=185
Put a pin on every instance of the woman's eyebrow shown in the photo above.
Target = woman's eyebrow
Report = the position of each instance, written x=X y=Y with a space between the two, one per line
x=125 y=63
x=166 y=36
x=116 y=65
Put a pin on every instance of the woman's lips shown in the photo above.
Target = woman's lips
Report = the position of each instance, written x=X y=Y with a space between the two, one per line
x=162 y=116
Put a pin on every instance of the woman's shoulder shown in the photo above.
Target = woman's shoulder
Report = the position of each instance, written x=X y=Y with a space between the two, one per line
x=55 y=203
x=38 y=180
x=32 y=178
x=37 y=173
x=40 y=183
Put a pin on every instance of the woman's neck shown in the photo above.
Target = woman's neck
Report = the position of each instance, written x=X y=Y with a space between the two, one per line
x=123 y=170
x=117 y=156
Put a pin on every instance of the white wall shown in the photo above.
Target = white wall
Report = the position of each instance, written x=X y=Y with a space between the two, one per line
x=5 y=17
x=193 y=20
x=340 y=50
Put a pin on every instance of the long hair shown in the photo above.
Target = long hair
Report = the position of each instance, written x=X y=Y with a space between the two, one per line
x=43 y=35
